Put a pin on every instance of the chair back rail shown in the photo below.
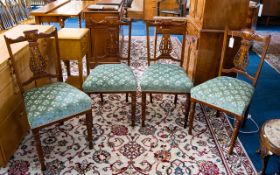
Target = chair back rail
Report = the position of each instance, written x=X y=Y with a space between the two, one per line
x=241 y=59
x=112 y=45
x=166 y=27
x=38 y=63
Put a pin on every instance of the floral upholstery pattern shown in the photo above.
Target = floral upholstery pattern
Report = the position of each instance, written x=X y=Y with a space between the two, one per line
x=166 y=78
x=224 y=92
x=53 y=102
x=272 y=132
x=110 y=78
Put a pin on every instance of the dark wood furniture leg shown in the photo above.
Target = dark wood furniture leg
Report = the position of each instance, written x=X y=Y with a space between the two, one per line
x=89 y=124
x=187 y=108
x=133 y=108
x=176 y=99
x=192 y=111
x=143 y=108
x=234 y=135
x=39 y=148
x=265 y=158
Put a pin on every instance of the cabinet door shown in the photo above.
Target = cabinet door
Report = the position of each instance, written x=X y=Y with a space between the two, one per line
x=150 y=9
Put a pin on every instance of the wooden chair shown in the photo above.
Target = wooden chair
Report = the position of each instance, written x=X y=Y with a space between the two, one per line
x=178 y=10
x=114 y=77
x=46 y=101
x=229 y=94
x=165 y=78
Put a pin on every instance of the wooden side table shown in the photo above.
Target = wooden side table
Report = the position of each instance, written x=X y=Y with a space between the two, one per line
x=74 y=44
x=270 y=141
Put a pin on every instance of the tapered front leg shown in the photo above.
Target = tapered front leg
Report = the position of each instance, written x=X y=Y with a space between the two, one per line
x=39 y=148
x=191 y=116
x=133 y=108
x=187 y=110
x=234 y=135
x=89 y=124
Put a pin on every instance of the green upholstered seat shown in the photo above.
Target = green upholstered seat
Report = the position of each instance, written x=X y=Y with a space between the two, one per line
x=165 y=78
x=227 y=93
x=53 y=102
x=110 y=78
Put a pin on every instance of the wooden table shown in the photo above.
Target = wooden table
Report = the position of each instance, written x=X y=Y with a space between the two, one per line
x=270 y=142
x=59 y=11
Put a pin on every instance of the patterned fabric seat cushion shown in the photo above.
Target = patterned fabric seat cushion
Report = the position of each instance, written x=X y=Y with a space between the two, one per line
x=53 y=102
x=165 y=78
x=224 y=92
x=110 y=78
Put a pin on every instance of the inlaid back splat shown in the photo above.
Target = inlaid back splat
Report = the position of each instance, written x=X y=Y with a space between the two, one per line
x=241 y=59
x=37 y=62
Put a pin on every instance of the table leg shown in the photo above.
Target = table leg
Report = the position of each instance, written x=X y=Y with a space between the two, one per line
x=265 y=158
x=80 y=21
x=61 y=22
x=81 y=78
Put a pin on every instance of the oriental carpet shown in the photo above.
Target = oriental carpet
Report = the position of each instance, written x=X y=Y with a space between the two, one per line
x=162 y=147
x=273 y=53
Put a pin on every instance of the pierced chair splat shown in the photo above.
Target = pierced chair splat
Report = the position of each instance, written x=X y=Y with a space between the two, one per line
x=113 y=77
x=48 y=101
x=230 y=94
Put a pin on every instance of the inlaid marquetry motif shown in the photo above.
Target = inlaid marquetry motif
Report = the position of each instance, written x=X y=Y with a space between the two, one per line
x=241 y=59
x=165 y=47
x=112 y=41
x=37 y=62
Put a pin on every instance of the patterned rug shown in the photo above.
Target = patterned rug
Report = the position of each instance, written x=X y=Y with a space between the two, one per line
x=273 y=53
x=162 y=147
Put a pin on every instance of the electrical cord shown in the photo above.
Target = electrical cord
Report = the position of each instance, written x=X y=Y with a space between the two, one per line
x=248 y=132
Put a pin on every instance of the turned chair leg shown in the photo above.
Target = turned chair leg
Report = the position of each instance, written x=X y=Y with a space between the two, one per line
x=39 y=148
x=133 y=107
x=89 y=124
x=187 y=108
x=143 y=108
x=191 y=116
x=234 y=135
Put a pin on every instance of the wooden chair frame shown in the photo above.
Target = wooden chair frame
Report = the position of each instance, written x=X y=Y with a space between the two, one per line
x=166 y=27
x=38 y=66
x=240 y=62
x=113 y=24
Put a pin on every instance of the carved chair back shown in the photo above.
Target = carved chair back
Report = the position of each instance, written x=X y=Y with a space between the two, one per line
x=38 y=62
x=113 y=43
x=241 y=59
x=165 y=27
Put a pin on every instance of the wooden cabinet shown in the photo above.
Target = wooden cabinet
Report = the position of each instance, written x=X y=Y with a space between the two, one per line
x=150 y=9
x=207 y=20
x=13 y=120
x=99 y=34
